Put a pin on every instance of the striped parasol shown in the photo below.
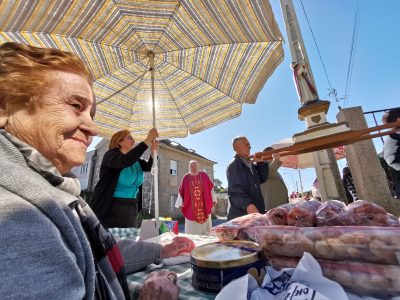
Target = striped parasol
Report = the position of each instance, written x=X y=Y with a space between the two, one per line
x=181 y=66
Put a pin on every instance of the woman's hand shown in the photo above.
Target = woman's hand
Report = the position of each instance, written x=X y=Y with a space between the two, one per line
x=160 y=285
x=276 y=155
x=154 y=147
x=178 y=246
x=151 y=136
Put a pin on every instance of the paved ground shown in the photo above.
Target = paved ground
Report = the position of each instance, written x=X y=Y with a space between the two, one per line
x=215 y=222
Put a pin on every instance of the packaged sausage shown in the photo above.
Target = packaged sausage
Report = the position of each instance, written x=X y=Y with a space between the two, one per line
x=278 y=215
x=361 y=278
x=356 y=243
x=236 y=228
x=358 y=213
x=303 y=214
x=328 y=213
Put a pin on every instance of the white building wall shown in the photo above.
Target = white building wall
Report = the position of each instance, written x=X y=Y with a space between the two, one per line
x=82 y=172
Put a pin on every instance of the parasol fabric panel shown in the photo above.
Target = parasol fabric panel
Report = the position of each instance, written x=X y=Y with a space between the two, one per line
x=210 y=56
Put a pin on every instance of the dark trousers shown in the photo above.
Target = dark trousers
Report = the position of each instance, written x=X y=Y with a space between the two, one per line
x=123 y=214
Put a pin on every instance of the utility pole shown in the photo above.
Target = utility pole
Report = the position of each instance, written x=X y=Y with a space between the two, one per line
x=312 y=110
x=301 y=183
x=294 y=185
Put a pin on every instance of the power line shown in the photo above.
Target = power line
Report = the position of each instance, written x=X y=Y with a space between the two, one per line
x=316 y=45
x=352 y=54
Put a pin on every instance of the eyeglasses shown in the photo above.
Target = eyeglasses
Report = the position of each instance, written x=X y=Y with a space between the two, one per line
x=128 y=137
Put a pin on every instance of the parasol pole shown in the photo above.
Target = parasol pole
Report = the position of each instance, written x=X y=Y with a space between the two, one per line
x=155 y=163
x=301 y=185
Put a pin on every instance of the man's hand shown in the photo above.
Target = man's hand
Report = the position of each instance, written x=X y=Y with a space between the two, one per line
x=160 y=285
x=178 y=246
x=254 y=157
x=251 y=208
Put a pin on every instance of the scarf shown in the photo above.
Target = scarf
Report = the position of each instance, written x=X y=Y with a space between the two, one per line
x=109 y=264
x=36 y=161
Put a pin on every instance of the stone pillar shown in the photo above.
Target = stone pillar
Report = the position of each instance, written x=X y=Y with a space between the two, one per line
x=331 y=186
x=330 y=183
x=368 y=174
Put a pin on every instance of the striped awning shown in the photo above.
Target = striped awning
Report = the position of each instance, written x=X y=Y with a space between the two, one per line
x=211 y=56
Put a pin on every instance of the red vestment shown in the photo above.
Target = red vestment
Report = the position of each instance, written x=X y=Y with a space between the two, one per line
x=195 y=191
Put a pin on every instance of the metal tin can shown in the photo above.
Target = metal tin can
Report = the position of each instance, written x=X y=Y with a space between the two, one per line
x=214 y=265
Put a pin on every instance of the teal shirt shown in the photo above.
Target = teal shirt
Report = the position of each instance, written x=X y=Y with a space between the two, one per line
x=129 y=181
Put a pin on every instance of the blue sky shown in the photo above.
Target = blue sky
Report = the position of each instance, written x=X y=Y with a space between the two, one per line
x=375 y=80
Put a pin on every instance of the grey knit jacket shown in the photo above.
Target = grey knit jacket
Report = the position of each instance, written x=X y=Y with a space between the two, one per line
x=44 y=253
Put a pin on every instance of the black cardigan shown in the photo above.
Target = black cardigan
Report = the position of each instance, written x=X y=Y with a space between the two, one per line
x=111 y=166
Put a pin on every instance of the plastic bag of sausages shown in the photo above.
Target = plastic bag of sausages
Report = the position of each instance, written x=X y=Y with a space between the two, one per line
x=375 y=280
x=358 y=213
x=301 y=214
x=355 y=243
x=236 y=228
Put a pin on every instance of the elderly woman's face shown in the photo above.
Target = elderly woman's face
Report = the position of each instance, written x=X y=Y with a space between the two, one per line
x=60 y=124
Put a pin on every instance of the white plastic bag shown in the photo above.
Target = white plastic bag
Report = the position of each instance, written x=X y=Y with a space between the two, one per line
x=304 y=282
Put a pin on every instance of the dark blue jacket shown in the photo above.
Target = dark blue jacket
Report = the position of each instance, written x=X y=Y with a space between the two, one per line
x=244 y=186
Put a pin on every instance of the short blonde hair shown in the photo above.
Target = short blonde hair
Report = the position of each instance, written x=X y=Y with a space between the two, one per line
x=118 y=137
x=25 y=72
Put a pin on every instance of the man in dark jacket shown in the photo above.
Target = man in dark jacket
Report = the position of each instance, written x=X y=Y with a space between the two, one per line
x=244 y=179
x=391 y=149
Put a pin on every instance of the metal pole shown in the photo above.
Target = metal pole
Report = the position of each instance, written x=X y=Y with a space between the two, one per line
x=376 y=124
x=294 y=186
x=153 y=98
x=155 y=160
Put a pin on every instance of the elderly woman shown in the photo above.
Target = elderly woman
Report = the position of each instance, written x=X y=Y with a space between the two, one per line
x=52 y=245
x=115 y=198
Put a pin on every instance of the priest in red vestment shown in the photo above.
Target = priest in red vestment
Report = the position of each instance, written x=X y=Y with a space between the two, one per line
x=195 y=199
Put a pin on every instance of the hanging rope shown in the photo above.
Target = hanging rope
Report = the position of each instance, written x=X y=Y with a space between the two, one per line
x=352 y=54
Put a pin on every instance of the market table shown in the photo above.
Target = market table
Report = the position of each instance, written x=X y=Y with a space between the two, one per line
x=184 y=271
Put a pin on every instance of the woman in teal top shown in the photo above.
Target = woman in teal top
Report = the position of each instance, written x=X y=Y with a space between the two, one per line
x=115 y=198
